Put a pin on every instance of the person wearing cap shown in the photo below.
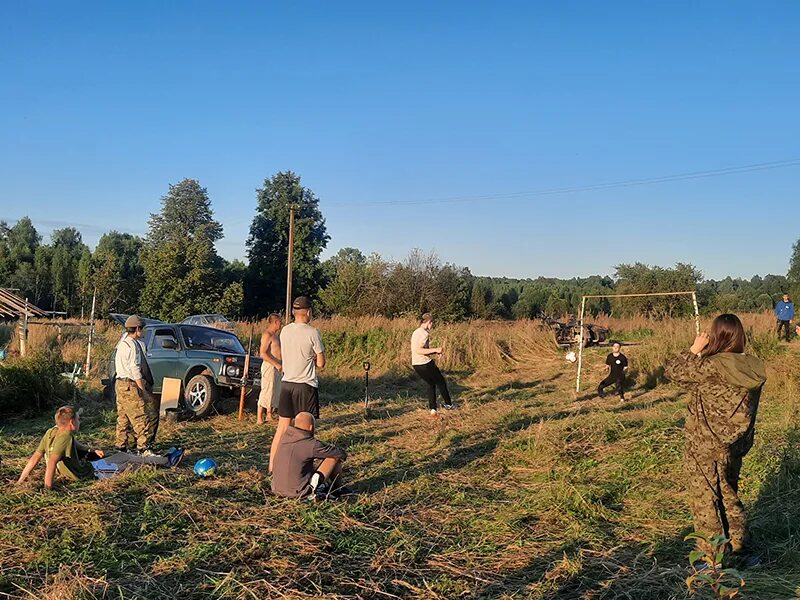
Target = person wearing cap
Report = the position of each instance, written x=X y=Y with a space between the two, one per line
x=136 y=409
x=302 y=353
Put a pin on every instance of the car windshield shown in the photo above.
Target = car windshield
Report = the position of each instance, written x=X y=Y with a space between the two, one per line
x=216 y=319
x=202 y=338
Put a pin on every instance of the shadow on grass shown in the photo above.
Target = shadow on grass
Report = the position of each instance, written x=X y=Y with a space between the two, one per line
x=576 y=571
x=775 y=516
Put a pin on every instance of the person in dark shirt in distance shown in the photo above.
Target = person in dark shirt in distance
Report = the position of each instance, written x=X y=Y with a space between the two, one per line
x=617 y=365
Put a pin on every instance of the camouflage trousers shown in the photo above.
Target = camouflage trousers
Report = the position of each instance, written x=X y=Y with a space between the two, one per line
x=713 y=487
x=137 y=417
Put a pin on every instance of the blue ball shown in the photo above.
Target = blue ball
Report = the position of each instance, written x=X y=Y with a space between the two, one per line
x=205 y=467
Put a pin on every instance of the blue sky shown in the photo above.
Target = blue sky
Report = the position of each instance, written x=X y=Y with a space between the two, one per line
x=102 y=105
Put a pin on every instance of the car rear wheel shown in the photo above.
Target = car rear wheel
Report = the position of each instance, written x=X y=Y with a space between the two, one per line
x=200 y=394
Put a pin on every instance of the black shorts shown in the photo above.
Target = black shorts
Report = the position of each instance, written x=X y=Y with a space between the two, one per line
x=296 y=398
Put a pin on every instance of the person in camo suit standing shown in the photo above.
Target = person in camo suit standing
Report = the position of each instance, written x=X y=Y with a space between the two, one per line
x=136 y=406
x=725 y=385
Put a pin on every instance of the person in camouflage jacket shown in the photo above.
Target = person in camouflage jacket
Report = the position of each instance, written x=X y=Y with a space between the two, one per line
x=725 y=386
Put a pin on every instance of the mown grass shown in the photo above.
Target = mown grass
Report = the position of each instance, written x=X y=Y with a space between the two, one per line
x=524 y=492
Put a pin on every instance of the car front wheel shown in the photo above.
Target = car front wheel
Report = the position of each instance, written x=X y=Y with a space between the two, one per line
x=200 y=394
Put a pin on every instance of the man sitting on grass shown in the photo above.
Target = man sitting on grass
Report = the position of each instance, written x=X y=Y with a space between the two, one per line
x=295 y=472
x=64 y=454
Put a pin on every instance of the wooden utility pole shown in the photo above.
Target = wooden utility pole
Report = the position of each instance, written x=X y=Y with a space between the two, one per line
x=23 y=333
x=246 y=374
x=288 y=313
x=91 y=336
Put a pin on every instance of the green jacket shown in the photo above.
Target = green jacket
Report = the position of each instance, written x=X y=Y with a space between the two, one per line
x=725 y=391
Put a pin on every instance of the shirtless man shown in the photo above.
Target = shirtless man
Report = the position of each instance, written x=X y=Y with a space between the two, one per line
x=271 y=369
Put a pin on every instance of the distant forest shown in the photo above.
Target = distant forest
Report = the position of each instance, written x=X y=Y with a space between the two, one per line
x=175 y=271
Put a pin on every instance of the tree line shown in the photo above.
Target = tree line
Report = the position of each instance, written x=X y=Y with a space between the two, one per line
x=175 y=271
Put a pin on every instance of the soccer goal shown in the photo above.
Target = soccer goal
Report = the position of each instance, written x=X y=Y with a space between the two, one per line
x=693 y=294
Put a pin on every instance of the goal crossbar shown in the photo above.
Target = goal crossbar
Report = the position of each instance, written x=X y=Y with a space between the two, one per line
x=691 y=293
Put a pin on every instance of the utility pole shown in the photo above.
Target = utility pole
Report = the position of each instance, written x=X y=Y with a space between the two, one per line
x=23 y=334
x=88 y=365
x=288 y=313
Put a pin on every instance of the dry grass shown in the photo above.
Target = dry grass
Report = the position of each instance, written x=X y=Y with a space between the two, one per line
x=523 y=492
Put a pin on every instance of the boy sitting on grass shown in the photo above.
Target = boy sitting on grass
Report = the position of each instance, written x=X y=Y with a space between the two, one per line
x=65 y=454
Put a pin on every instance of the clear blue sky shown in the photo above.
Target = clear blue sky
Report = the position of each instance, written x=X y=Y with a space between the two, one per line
x=103 y=104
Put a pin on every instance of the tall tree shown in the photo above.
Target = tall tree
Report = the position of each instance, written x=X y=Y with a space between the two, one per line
x=182 y=271
x=118 y=272
x=794 y=271
x=267 y=244
x=68 y=247
x=18 y=246
x=347 y=276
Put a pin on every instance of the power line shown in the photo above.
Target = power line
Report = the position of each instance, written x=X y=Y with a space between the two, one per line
x=585 y=188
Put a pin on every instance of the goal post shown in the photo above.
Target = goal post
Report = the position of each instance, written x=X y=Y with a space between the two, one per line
x=693 y=294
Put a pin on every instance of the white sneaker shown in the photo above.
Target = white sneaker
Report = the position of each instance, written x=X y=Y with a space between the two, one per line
x=316 y=479
x=433 y=412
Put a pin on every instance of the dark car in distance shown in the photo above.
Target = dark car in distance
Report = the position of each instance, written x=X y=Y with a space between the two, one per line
x=207 y=360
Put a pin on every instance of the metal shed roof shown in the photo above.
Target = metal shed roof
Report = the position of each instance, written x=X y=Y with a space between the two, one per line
x=12 y=306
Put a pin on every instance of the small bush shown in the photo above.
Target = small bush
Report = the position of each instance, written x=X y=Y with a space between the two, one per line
x=32 y=384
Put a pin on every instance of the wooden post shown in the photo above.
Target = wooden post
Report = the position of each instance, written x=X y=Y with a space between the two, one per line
x=91 y=336
x=244 y=385
x=23 y=334
x=696 y=314
x=288 y=314
x=580 y=347
x=246 y=373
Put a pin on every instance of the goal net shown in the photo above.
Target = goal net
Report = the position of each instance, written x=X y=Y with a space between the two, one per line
x=581 y=344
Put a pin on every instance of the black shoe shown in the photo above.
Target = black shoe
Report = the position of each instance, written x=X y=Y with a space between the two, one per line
x=601 y=393
x=450 y=406
x=748 y=561
x=342 y=490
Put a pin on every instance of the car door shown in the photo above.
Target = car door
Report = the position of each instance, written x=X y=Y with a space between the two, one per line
x=164 y=353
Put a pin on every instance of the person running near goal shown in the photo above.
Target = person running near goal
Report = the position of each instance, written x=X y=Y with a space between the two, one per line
x=425 y=366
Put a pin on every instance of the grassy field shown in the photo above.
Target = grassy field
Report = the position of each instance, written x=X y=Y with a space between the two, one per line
x=525 y=491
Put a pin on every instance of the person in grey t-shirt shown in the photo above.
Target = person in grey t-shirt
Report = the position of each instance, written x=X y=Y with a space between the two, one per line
x=302 y=353
x=303 y=464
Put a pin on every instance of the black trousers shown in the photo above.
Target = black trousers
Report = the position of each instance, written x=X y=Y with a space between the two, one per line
x=431 y=375
x=613 y=378
x=788 y=330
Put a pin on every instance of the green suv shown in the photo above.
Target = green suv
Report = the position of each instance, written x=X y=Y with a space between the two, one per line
x=208 y=361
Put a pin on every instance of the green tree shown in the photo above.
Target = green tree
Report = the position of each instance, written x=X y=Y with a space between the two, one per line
x=556 y=307
x=481 y=299
x=18 y=246
x=118 y=272
x=347 y=275
x=640 y=279
x=68 y=247
x=85 y=282
x=232 y=302
x=43 y=274
x=182 y=271
x=267 y=244
x=793 y=276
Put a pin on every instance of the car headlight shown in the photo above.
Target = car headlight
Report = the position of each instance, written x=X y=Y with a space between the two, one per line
x=233 y=371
